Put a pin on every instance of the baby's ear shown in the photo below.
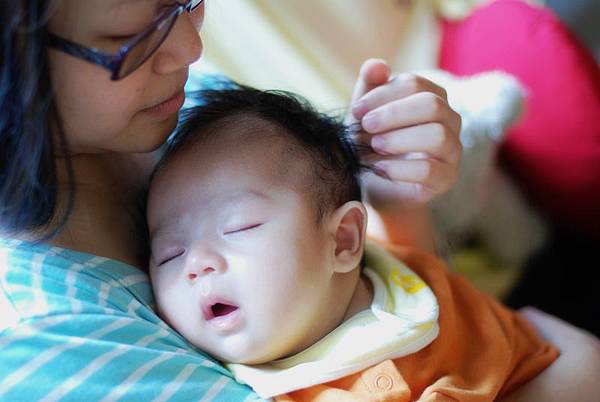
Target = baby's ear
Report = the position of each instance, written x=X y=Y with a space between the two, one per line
x=349 y=224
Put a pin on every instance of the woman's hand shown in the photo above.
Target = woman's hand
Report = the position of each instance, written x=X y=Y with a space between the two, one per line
x=575 y=375
x=411 y=136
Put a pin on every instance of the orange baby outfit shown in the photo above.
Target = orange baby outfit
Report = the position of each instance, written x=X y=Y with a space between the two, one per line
x=483 y=351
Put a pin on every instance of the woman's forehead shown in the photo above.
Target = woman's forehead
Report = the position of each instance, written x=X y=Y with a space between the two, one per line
x=71 y=13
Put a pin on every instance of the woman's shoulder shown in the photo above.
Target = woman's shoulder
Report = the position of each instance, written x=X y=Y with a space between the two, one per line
x=84 y=329
x=42 y=280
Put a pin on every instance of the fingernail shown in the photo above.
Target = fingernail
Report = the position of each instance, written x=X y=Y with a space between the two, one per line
x=370 y=122
x=359 y=108
x=378 y=143
x=379 y=169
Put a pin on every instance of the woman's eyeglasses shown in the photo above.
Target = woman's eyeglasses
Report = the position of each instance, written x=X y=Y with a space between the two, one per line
x=136 y=51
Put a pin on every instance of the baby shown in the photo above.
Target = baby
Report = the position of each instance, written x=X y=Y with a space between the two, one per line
x=259 y=258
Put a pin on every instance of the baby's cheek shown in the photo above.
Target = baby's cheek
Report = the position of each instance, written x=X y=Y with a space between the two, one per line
x=169 y=299
x=292 y=298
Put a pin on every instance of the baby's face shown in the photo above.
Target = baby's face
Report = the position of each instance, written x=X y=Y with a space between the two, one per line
x=239 y=265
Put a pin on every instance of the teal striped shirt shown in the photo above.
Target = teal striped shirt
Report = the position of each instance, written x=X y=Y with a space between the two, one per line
x=77 y=327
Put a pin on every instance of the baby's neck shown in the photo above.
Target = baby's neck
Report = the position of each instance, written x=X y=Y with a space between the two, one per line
x=362 y=297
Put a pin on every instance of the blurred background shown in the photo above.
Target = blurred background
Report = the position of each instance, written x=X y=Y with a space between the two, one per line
x=583 y=17
x=523 y=223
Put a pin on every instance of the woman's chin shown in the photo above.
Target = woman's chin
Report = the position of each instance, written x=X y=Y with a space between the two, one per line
x=152 y=142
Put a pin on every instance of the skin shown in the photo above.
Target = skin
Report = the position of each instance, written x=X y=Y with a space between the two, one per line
x=107 y=172
x=405 y=114
x=106 y=123
x=574 y=375
x=227 y=225
x=109 y=131
x=119 y=109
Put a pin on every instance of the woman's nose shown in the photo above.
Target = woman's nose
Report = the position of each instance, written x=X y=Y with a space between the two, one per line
x=182 y=47
x=204 y=261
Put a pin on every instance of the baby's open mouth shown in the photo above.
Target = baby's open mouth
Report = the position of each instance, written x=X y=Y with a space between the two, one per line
x=222 y=309
x=221 y=315
x=217 y=310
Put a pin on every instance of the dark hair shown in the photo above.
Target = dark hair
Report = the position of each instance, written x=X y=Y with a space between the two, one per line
x=321 y=138
x=28 y=178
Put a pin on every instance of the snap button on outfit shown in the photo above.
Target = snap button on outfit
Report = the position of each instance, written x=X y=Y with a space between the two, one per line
x=384 y=382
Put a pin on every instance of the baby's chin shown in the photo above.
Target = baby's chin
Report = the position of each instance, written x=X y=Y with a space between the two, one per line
x=250 y=354
x=250 y=358
x=253 y=346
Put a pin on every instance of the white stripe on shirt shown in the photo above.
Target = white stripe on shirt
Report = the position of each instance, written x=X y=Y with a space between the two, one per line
x=97 y=364
x=215 y=389
x=122 y=388
x=51 y=353
x=125 y=282
x=174 y=385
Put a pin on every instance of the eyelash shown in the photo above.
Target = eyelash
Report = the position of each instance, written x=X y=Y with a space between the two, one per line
x=166 y=260
x=123 y=38
x=243 y=229
x=230 y=232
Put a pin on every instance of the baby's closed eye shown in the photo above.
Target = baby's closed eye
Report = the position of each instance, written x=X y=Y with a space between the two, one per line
x=168 y=256
x=241 y=228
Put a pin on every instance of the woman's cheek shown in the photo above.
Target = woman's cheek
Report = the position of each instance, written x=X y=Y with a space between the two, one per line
x=92 y=108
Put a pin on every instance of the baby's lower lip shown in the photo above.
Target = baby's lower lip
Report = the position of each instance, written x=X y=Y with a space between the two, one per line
x=228 y=322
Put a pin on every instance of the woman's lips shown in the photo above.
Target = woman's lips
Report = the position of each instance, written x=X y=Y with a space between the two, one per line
x=167 y=108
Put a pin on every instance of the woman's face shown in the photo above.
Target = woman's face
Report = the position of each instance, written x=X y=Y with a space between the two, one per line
x=137 y=113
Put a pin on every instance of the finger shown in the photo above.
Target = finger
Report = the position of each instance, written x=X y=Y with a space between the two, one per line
x=420 y=108
x=430 y=173
x=399 y=87
x=373 y=73
x=433 y=139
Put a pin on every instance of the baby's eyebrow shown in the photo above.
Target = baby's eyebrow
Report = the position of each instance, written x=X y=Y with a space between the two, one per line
x=243 y=194
x=162 y=229
x=156 y=234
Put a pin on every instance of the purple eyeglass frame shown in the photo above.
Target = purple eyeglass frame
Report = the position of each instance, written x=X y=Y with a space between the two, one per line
x=113 y=62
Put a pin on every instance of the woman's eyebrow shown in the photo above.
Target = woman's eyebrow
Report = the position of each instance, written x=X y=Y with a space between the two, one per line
x=116 y=4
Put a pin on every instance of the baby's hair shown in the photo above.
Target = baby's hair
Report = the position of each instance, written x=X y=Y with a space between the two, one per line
x=322 y=139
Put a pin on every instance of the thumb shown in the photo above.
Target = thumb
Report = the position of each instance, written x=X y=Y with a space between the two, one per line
x=373 y=73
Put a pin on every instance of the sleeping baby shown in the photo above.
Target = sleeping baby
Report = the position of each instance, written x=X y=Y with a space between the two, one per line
x=259 y=258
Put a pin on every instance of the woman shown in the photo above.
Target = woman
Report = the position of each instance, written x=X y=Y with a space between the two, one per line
x=75 y=139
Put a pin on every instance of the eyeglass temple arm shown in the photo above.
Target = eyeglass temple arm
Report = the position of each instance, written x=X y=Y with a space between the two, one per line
x=74 y=49
x=193 y=4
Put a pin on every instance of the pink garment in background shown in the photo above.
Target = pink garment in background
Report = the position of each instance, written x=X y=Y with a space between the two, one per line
x=554 y=153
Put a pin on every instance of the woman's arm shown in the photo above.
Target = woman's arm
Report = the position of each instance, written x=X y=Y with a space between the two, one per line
x=575 y=375
x=408 y=226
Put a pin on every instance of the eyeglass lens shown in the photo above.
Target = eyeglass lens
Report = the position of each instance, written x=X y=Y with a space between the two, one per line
x=142 y=50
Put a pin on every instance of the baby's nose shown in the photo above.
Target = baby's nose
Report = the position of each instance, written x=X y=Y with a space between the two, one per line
x=204 y=261
x=206 y=270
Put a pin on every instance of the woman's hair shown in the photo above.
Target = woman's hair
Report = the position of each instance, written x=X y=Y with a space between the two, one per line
x=30 y=130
